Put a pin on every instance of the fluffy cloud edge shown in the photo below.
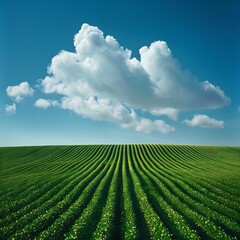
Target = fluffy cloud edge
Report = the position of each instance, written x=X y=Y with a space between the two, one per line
x=204 y=121
x=18 y=92
x=104 y=109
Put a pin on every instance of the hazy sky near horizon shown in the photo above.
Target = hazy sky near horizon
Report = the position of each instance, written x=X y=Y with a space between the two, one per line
x=82 y=72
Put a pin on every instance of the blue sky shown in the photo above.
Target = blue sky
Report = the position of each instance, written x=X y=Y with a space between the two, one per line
x=96 y=93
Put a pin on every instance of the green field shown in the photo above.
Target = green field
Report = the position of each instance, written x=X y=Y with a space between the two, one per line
x=120 y=192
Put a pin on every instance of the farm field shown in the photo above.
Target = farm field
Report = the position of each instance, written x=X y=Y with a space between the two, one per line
x=120 y=192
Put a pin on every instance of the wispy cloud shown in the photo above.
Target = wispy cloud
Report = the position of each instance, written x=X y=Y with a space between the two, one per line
x=204 y=121
x=20 y=91
x=10 y=109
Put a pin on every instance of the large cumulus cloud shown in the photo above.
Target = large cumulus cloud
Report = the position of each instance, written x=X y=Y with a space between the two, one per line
x=101 y=80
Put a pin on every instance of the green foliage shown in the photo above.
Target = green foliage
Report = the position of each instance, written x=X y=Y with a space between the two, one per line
x=120 y=192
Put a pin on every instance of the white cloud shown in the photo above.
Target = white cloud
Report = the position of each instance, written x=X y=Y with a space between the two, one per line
x=45 y=103
x=18 y=92
x=101 y=75
x=175 y=87
x=148 y=126
x=112 y=111
x=170 y=112
x=10 y=109
x=101 y=67
x=204 y=121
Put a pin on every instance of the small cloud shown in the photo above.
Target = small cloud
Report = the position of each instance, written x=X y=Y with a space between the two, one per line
x=42 y=103
x=170 y=112
x=148 y=126
x=45 y=103
x=204 y=121
x=10 y=109
x=20 y=91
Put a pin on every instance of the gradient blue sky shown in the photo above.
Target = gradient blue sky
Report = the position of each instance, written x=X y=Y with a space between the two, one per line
x=203 y=35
